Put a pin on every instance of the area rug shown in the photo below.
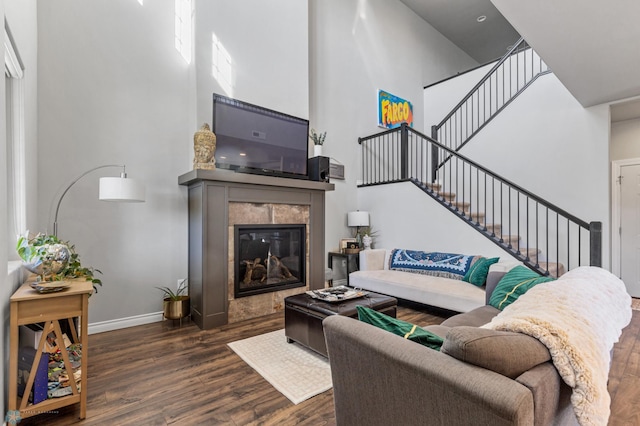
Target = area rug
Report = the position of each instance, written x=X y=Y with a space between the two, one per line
x=296 y=372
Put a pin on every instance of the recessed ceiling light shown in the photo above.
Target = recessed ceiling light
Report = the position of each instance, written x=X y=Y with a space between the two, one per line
x=481 y=18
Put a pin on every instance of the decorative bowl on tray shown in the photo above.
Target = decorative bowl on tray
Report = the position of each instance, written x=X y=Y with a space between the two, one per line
x=337 y=294
x=50 y=286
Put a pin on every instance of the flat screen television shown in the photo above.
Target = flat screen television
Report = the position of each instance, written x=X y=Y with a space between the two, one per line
x=253 y=139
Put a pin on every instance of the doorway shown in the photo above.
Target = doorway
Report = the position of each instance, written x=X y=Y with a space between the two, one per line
x=626 y=223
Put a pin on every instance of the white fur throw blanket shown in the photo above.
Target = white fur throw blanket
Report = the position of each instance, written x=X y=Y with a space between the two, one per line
x=578 y=318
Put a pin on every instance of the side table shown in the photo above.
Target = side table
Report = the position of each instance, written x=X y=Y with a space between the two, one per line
x=30 y=307
x=341 y=265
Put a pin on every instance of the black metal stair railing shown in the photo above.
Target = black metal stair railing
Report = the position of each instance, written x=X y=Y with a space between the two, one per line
x=531 y=229
x=513 y=73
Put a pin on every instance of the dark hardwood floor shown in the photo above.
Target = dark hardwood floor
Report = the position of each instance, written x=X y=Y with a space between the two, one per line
x=164 y=374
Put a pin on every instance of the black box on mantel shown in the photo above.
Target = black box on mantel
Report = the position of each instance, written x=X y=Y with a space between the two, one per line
x=318 y=169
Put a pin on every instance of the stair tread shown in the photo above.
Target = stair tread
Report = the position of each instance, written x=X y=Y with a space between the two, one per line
x=474 y=214
x=555 y=269
x=434 y=186
x=462 y=204
x=511 y=242
x=494 y=228
x=449 y=196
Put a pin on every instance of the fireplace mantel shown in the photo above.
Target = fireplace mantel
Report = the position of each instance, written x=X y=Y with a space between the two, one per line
x=227 y=176
x=209 y=194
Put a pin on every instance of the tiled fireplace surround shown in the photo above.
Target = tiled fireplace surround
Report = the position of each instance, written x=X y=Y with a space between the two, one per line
x=220 y=199
x=262 y=214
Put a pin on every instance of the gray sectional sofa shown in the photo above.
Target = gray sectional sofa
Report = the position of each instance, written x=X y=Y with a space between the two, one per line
x=543 y=359
x=480 y=377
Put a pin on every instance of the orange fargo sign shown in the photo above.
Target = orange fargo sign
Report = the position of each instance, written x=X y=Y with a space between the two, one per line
x=393 y=110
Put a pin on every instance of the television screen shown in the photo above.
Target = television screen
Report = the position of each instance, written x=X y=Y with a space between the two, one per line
x=254 y=139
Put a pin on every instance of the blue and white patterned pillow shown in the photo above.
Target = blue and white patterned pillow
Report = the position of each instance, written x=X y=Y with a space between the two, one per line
x=447 y=265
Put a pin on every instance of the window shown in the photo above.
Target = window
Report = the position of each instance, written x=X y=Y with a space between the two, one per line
x=15 y=143
x=184 y=28
x=221 y=65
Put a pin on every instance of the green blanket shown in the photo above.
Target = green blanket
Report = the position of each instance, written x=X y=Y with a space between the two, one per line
x=399 y=327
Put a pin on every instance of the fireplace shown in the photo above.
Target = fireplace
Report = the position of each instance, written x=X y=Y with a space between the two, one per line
x=268 y=258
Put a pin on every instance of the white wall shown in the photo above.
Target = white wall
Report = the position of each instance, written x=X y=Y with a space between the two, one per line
x=114 y=90
x=413 y=220
x=546 y=142
x=268 y=44
x=441 y=98
x=358 y=47
x=565 y=148
x=625 y=139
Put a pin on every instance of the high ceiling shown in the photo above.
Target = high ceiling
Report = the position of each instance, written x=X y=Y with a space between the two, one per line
x=591 y=47
x=457 y=20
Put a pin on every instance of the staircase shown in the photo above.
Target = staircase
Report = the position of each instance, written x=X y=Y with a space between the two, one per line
x=494 y=230
x=505 y=81
x=543 y=236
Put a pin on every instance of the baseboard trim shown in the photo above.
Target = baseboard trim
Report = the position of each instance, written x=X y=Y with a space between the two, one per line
x=117 y=324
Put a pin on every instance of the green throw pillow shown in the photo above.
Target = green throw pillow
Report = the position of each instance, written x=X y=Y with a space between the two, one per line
x=477 y=274
x=399 y=327
x=514 y=284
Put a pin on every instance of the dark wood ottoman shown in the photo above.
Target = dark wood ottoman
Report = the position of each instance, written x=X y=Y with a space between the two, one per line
x=303 y=316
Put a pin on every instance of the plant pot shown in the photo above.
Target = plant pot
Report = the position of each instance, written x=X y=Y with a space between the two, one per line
x=317 y=150
x=176 y=309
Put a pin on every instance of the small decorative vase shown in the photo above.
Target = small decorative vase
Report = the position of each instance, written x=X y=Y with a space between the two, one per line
x=317 y=150
x=204 y=145
x=367 y=240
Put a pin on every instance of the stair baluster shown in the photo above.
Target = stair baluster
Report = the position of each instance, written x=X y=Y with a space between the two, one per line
x=406 y=155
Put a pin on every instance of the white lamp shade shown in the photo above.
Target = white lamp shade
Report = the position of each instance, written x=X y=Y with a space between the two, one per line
x=358 y=218
x=121 y=189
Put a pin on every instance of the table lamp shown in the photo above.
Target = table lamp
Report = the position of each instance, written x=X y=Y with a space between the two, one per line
x=357 y=219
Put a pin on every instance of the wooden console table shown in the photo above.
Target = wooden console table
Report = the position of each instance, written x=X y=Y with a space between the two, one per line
x=30 y=307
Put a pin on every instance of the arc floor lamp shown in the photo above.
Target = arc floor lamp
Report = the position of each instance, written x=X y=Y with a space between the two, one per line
x=119 y=189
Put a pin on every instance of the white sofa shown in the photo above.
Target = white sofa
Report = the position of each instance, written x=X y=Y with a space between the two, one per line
x=455 y=295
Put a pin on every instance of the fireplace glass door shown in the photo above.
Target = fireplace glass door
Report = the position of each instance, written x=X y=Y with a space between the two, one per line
x=269 y=258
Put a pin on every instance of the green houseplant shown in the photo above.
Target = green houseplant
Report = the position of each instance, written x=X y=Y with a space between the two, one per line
x=176 y=304
x=54 y=260
x=317 y=138
x=318 y=141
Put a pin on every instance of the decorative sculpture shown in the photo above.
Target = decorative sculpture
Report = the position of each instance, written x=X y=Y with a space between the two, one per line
x=367 y=240
x=204 y=145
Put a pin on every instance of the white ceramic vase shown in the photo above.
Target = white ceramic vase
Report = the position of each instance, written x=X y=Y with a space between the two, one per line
x=317 y=150
x=367 y=240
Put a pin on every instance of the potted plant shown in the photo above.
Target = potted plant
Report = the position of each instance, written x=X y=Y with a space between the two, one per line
x=175 y=303
x=54 y=260
x=318 y=141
